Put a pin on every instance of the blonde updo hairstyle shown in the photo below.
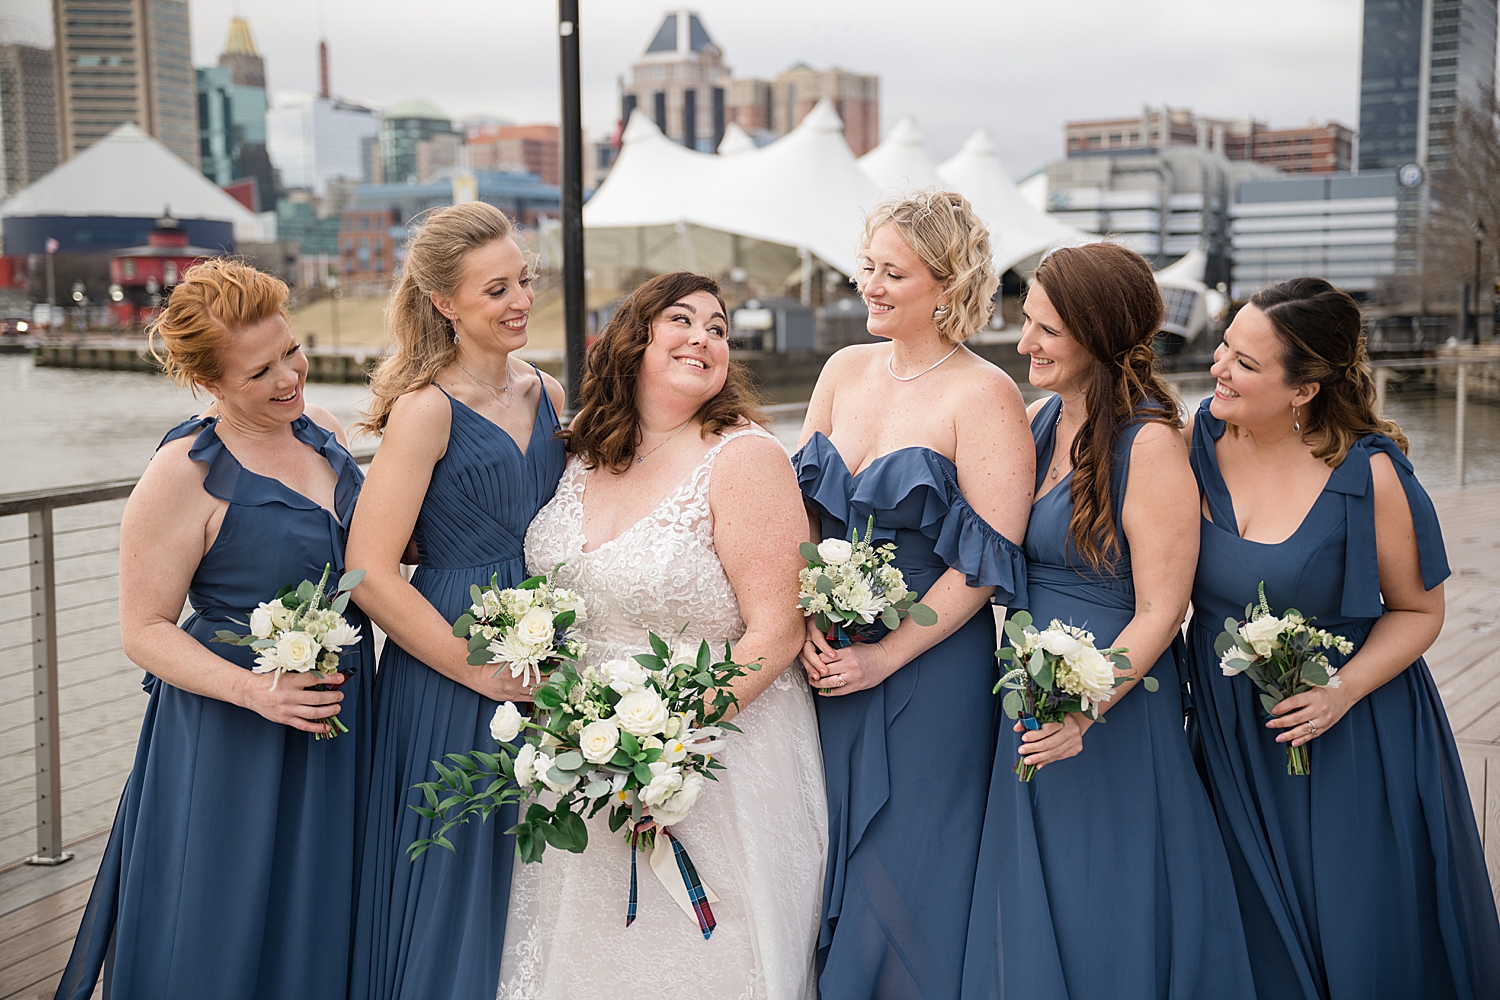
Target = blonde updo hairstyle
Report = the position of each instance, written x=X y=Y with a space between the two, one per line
x=214 y=300
x=954 y=244
x=436 y=253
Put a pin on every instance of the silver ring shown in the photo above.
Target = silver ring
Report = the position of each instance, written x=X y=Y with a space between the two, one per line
x=1312 y=730
x=841 y=681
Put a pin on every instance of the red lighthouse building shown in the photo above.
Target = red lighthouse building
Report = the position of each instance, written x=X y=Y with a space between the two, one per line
x=139 y=275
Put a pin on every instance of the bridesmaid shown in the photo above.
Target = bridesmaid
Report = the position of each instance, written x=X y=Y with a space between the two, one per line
x=930 y=439
x=1365 y=878
x=1105 y=875
x=470 y=454
x=229 y=867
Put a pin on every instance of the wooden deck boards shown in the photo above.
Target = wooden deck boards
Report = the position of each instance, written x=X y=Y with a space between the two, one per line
x=40 y=908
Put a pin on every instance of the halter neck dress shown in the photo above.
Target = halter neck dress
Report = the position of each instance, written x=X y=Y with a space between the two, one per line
x=1105 y=875
x=230 y=868
x=434 y=928
x=1365 y=878
x=907 y=762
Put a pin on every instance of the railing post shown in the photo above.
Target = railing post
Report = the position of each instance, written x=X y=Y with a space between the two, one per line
x=1381 y=374
x=44 y=700
x=1461 y=392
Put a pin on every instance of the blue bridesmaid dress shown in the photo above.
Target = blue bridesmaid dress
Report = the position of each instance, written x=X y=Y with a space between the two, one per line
x=230 y=870
x=1366 y=878
x=907 y=762
x=434 y=928
x=1105 y=876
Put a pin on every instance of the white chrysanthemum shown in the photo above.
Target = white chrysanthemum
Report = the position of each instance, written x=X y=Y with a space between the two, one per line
x=339 y=635
x=857 y=597
x=1233 y=662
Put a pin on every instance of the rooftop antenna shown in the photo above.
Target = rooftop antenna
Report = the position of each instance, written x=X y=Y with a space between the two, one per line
x=324 y=90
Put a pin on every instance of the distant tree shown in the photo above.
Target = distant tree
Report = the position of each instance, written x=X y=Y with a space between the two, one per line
x=1466 y=189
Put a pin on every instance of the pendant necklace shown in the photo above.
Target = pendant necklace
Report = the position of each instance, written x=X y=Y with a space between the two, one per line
x=489 y=387
x=641 y=458
x=1057 y=464
x=907 y=378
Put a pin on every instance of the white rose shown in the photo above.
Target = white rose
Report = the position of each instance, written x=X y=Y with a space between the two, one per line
x=1059 y=643
x=665 y=781
x=525 y=766
x=281 y=615
x=834 y=551
x=297 y=651
x=676 y=806
x=598 y=741
x=505 y=724
x=260 y=623
x=535 y=627
x=642 y=713
x=624 y=676
x=1096 y=674
x=1261 y=633
x=340 y=635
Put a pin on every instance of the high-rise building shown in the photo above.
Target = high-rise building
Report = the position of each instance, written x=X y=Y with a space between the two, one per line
x=529 y=149
x=316 y=139
x=680 y=81
x=401 y=128
x=1419 y=59
x=247 y=110
x=216 y=135
x=855 y=97
x=1314 y=149
x=120 y=61
x=28 y=116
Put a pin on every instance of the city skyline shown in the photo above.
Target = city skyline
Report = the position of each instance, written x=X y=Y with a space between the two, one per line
x=1290 y=61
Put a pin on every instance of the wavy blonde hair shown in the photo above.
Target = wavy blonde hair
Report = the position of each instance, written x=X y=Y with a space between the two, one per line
x=436 y=253
x=954 y=244
x=215 y=299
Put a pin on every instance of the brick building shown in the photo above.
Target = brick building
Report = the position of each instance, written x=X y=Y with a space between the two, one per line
x=368 y=240
x=528 y=149
x=1322 y=149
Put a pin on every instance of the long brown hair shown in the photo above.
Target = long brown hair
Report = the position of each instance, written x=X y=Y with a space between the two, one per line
x=1107 y=298
x=1323 y=341
x=435 y=258
x=607 y=427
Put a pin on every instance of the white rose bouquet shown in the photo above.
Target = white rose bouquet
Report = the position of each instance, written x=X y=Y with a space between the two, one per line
x=302 y=630
x=1283 y=656
x=637 y=737
x=1054 y=672
x=530 y=627
x=848 y=585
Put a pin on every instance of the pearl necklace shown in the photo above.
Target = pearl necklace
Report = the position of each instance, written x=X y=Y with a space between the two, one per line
x=907 y=378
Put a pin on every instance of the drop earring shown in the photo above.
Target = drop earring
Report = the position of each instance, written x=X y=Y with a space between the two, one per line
x=1296 y=423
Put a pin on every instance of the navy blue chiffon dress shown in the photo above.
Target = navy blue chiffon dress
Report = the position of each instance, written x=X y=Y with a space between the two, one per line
x=1105 y=876
x=230 y=869
x=434 y=928
x=1364 y=879
x=907 y=762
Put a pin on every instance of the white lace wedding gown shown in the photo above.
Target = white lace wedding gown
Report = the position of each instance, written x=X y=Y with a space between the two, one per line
x=757 y=836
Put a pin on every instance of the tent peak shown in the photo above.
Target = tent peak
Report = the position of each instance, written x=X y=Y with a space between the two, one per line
x=736 y=141
x=822 y=118
x=640 y=128
x=980 y=143
x=906 y=133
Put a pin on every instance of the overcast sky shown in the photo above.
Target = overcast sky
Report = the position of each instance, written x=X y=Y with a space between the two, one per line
x=1020 y=68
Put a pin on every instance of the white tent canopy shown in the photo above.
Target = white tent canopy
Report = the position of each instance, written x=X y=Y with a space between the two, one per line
x=736 y=140
x=1017 y=230
x=128 y=174
x=805 y=190
x=900 y=163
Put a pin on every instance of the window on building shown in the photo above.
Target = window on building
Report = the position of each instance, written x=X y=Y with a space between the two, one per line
x=659 y=107
x=690 y=118
x=627 y=105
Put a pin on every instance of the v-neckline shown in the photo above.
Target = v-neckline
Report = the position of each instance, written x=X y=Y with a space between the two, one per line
x=536 y=421
x=583 y=483
x=1234 y=527
x=337 y=475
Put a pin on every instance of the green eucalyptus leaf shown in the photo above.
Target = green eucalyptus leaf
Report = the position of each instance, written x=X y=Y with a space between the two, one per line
x=923 y=615
x=1151 y=683
x=890 y=618
x=476 y=595
x=351 y=579
x=462 y=626
x=570 y=761
x=479 y=657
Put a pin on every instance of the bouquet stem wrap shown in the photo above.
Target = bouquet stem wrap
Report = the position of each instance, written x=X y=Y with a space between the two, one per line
x=675 y=870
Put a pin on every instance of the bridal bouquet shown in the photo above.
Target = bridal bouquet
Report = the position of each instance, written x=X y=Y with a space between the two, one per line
x=302 y=630
x=848 y=585
x=1056 y=671
x=1282 y=656
x=529 y=627
x=636 y=737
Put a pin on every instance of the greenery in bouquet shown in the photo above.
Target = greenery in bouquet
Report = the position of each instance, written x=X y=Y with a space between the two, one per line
x=1282 y=655
x=849 y=586
x=637 y=737
x=1056 y=671
x=302 y=630
x=529 y=627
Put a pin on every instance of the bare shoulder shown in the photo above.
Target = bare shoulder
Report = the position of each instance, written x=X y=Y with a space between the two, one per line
x=854 y=359
x=1186 y=429
x=1387 y=484
x=172 y=477
x=1157 y=440
x=554 y=390
x=751 y=455
x=1035 y=408
x=325 y=420
x=984 y=383
x=421 y=411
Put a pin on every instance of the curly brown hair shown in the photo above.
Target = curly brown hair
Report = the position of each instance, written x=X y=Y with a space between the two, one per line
x=1323 y=341
x=1107 y=297
x=606 y=429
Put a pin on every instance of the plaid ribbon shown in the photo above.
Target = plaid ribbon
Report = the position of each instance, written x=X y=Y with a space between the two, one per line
x=706 y=921
x=630 y=908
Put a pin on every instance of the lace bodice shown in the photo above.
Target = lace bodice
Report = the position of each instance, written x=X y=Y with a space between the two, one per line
x=662 y=573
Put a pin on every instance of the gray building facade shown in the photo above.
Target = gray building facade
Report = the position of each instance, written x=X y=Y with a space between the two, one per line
x=28 y=116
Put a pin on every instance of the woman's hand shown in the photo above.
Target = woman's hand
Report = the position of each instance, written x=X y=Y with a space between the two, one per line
x=494 y=681
x=289 y=700
x=1054 y=741
x=1309 y=715
x=854 y=668
x=816 y=653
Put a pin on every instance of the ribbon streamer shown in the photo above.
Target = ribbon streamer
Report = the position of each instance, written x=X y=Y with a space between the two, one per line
x=678 y=875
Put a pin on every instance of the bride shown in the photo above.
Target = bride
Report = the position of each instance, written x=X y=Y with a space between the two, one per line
x=676 y=511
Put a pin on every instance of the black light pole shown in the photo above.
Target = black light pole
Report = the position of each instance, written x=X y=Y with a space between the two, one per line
x=1478 y=245
x=572 y=196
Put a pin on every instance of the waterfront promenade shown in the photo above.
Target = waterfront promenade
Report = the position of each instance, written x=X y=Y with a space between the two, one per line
x=40 y=907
